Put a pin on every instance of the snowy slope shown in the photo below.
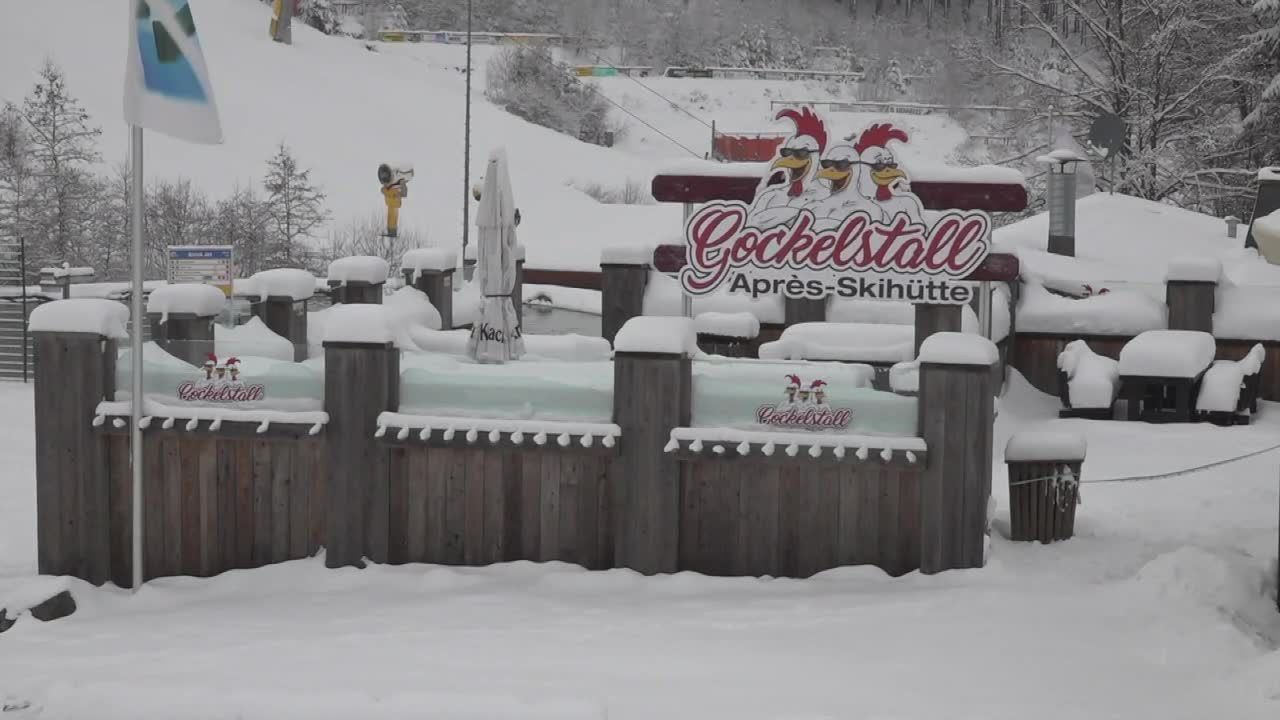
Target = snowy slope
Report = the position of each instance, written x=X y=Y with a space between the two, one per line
x=344 y=110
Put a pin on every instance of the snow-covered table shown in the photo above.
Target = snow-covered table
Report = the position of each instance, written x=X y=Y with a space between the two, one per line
x=1160 y=372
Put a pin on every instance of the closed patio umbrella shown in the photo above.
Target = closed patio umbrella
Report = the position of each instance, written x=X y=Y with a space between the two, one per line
x=496 y=336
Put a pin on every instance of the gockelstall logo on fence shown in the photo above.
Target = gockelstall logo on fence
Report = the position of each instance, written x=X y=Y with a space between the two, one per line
x=221 y=383
x=804 y=407
x=835 y=220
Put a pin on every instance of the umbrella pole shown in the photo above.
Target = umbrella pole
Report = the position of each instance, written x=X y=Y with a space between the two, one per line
x=135 y=356
x=466 y=153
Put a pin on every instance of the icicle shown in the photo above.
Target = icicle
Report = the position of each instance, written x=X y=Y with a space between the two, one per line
x=99 y=420
x=718 y=449
x=540 y=439
x=144 y=423
x=672 y=445
x=608 y=441
x=696 y=446
x=216 y=425
x=911 y=457
x=792 y=450
x=815 y=451
x=744 y=448
x=118 y=422
x=838 y=452
x=587 y=440
x=494 y=437
x=315 y=429
x=886 y=454
x=424 y=434
x=263 y=426
x=192 y=424
x=472 y=435
x=381 y=431
x=403 y=434
x=168 y=424
x=517 y=438
x=768 y=449
x=448 y=434
x=862 y=453
x=563 y=440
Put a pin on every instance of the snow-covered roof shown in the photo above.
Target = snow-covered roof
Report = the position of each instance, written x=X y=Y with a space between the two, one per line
x=83 y=315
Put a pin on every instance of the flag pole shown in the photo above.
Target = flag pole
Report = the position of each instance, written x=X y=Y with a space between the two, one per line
x=135 y=353
x=466 y=152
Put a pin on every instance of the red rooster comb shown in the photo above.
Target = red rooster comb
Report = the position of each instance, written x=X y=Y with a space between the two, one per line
x=794 y=379
x=817 y=384
x=807 y=124
x=879 y=136
x=210 y=357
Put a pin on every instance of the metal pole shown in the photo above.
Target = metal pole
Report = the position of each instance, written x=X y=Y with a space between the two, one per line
x=22 y=280
x=686 y=300
x=984 y=308
x=135 y=356
x=466 y=152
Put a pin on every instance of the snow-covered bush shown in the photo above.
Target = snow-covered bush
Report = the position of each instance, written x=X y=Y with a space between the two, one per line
x=529 y=83
x=1092 y=380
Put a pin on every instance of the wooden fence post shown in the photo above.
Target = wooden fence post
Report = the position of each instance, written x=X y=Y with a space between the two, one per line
x=956 y=406
x=185 y=336
x=932 y=319
x=437 y=285
x=653 y=384
x=355 y=292
x=622 y=287
x=287 y=318
x=74 y=371
x=802 y=310
x=361 y=380
x=1191 y=287
x=517 y=291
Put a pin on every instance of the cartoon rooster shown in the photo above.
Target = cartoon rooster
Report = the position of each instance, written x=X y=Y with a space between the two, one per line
x=786 y=188
x=841 y=171
x=881 y=184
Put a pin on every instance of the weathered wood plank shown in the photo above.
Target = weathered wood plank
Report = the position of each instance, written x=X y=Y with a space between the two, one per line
x=415 y=501
x=790 y=521
x=549 y=502
x=209 y=520
x=281 y=496
x=590 y=480
x=317 y=461
x=690 y=516
x=473 y=526
x=153 y=539
x=819 y=502
x=300 y=495
x=456 y=506
x=228 y=504
x=909 y=519
x=262 y=502
x=52 y=406
x=398 y=507
x=493 y=548
x=188 y=483
x=171 y=487
x=869 y=517
x=758 y=530
x=607 y=512
x=932 y=426
x=889 y=541
x=121 y=512
x=438 y=469
x=570 y=487
x=513 y=547
x=245 y=518
x=530 y=506
x=956 y=455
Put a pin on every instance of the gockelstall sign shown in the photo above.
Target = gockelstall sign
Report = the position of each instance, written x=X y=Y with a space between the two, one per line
x=835 y=219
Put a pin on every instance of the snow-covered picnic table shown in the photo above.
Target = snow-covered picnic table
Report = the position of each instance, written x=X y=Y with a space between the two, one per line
x=1160 y=371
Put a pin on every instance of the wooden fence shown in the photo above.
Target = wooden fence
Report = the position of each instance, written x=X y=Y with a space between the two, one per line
x=242 y=496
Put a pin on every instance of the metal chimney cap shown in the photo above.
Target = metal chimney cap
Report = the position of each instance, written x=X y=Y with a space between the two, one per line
x=1061 y=157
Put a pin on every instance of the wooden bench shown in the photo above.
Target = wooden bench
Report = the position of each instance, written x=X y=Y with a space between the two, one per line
x=1158 y=399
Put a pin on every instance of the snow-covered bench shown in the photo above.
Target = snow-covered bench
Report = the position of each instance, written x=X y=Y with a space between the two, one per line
x=1088 y=383
x=1161 y=371
x=1229 y=390
x=728 y=334
x=877 y=345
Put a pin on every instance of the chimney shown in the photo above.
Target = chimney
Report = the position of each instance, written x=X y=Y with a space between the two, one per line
x=1062 y=200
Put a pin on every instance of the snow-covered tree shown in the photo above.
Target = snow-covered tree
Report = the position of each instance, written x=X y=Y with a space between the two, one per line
x=242 y=220
x=64 y=148
x=16 y=177
x=176 y=213
x=295 y=206
x=319 y=14
x=111 y=225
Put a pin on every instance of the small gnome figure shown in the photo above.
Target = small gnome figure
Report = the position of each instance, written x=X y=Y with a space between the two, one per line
x=233 y=367
x=793 y=387
x=210 y=362
x=819 y=393
x=804 y=398
x=221 y=371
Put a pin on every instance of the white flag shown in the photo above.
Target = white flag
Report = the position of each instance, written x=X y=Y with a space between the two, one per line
x=167 y=86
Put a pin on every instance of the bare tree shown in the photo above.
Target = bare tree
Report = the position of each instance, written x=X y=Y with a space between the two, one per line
x=16 y=181
x=295 y=206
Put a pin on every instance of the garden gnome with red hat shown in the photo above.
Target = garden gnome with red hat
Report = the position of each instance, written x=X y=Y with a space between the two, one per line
x=793 y=387
x=819 y=394
x=233 y=367
x=210 y=362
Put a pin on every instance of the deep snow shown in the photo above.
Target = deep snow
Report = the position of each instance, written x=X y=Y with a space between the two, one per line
x=1159 y=608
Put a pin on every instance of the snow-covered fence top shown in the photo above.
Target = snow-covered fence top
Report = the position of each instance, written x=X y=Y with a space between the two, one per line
x=186 y=299
x=106 y=318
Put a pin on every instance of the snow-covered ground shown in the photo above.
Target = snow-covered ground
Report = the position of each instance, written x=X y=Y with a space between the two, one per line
x=1162 y=606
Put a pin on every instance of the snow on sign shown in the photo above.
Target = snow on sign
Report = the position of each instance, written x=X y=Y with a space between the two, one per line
x=835 y=218
x=804 y=408
x=203 y=264
x=221 y=384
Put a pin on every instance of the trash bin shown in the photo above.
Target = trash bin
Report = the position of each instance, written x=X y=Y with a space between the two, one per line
x=1044 y=484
